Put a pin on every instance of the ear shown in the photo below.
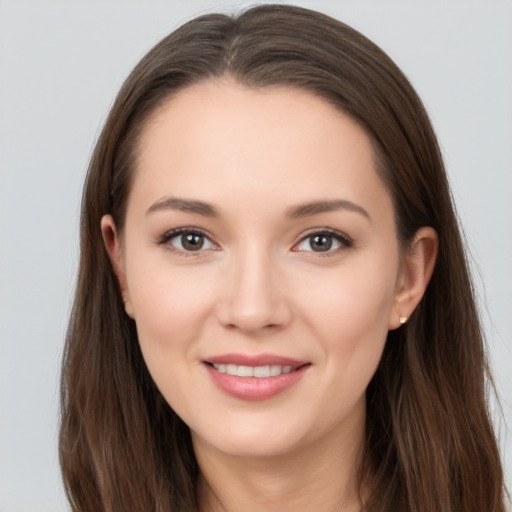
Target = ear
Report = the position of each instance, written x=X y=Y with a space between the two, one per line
x=113 y=245
x=417 y=267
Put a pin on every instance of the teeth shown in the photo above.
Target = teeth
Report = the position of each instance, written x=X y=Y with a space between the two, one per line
x=275 y=370
x=262 y=371
x=245 y=371
x=232 y=369
x=252 y=371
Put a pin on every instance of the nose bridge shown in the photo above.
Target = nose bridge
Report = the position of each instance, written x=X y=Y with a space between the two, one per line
x=254 y=300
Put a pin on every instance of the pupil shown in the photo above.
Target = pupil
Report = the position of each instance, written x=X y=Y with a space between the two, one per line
x=192 y=242
x=321 y=243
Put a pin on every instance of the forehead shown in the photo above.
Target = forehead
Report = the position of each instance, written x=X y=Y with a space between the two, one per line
x=222 y=139
x=234 y=112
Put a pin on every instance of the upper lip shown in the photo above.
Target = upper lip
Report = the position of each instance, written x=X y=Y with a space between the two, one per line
x=255 y=360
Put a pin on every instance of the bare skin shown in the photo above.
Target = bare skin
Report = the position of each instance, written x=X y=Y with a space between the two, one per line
x=257 y=226
x=323 y=479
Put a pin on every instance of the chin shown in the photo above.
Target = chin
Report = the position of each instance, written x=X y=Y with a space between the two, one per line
x=250 y=441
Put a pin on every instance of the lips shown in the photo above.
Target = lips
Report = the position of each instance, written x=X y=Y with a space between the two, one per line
x=258 y=377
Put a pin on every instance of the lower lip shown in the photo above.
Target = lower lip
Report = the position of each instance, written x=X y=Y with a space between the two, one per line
x=255 y=388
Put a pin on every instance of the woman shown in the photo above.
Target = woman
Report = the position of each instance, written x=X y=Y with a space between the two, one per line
x=273 y=309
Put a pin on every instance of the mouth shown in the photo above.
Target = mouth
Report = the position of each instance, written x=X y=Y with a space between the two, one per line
x=255 y=377
x=259 y=372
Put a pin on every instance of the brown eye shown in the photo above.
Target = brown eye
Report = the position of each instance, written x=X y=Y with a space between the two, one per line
x=187 y=240
x=324 y=241
x=192 y=241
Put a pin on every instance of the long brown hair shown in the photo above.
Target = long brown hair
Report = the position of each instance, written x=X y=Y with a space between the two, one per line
x=430 y=445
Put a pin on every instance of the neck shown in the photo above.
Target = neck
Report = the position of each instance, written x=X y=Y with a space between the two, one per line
x=317 y=477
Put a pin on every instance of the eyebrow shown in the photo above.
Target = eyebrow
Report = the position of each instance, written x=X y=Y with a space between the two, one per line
x=184 y=205
x=317 y=207
x=302 y=210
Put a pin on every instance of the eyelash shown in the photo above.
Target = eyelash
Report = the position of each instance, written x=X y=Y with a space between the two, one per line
x=344 y=241
x=173 y=233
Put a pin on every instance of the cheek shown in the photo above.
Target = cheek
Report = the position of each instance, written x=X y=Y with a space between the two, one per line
x=170 y=304
x=353 y=299
x=349 y=314
x=170 y=317
x=167 y=312
x=353 y=332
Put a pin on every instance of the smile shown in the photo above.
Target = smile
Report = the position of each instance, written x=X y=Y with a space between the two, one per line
x=260 y=372
x=255 y=377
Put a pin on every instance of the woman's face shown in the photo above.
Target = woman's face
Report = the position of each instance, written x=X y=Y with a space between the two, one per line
x=260 y=262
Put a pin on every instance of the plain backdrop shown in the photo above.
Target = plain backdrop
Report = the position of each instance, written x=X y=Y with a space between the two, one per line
x=61 y=64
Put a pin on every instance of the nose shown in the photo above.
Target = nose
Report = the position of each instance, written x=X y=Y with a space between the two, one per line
x=254 y=297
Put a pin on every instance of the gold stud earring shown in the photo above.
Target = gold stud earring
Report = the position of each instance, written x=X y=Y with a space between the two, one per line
x=403 y=320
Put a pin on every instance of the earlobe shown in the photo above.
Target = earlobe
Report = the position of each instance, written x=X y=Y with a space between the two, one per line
x=417 y=269
x=113 y=246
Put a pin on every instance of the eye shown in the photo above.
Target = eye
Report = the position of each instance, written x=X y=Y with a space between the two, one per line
x=323 y=241
x=187 y=240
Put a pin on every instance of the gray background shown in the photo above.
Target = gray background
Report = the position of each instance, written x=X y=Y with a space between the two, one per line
x=61 y=64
